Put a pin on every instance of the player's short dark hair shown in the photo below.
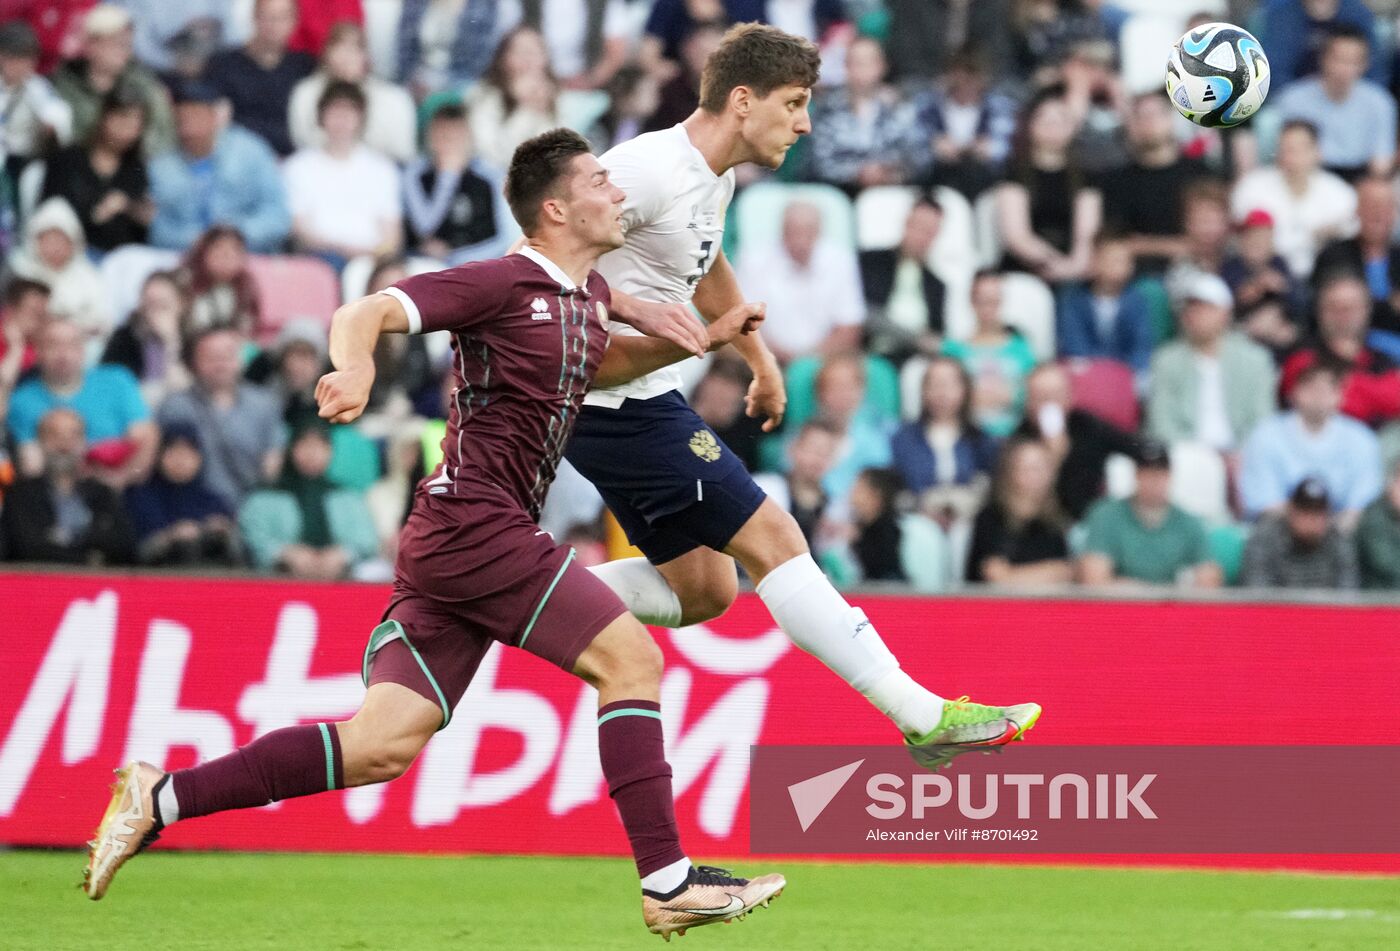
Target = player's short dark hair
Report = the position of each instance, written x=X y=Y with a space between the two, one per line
x=1304 y=125
x=21 y=287
x=341 y=91
x=535 y=170
x=760 y=57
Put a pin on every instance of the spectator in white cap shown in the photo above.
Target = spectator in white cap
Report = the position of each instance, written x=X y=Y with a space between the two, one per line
x=106 y=65
x=1212 y=384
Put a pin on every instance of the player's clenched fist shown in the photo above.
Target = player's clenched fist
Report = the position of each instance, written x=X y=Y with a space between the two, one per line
x=741 y=319
x=342 y=394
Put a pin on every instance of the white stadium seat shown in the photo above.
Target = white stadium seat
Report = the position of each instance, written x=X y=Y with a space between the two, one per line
x=382 y=35
x=126 y=268
x=1145 y=43
x=911 y=387
x=1218 y=7
x=1028 y=304
x=28 y=189
x=988 y=236
x=758 y=212
x=880 y=214
x=1199 y=481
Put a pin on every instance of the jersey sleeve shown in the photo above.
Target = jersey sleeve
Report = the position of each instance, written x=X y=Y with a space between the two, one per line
x=455 y=299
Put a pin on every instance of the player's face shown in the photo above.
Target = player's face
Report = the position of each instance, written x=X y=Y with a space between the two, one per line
x=775 y=123
x=595 y=204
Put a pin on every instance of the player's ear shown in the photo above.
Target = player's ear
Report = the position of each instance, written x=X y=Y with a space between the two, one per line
x=741 y=100
x=553 y=211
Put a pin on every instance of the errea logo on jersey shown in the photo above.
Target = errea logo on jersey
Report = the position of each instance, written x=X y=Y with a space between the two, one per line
x=540 y=309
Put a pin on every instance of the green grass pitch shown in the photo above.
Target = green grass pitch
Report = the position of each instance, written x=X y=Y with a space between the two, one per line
x=248 y=902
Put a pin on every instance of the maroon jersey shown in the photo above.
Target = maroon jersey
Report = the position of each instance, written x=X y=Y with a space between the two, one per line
x=526 y=343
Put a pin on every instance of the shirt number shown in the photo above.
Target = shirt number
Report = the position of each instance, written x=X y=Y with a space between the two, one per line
x=700 y=265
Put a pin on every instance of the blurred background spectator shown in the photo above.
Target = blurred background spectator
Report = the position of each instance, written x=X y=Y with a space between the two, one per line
x=1372 y=255
x=1301 y=547
x=216 y=174
x=996 y=356
x=390 y=125
x=1146 y=538
x=54 y=254
x=149 y=344
x=1019 y=537
x=302 y=523
x=319 y=179
x=105 y=69
x=103 y=177
x=1378 y=537
x=1107 y=317
x=452 y=200
x=811 y=285
x=257 y=78
x=60 y=515
x=904 y=298
x=799 y=491
x=223 y=291
x=178 y=520
x=36 y=117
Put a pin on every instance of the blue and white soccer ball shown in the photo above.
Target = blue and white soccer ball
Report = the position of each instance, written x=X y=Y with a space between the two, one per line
x=1217 y=75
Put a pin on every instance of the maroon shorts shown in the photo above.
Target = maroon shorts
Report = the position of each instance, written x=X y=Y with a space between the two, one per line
x=473 y=571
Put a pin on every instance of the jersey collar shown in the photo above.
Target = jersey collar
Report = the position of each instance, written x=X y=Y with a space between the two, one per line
x=555 y=272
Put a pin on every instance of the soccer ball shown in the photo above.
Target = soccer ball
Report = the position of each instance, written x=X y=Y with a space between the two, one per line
x=1217 y=75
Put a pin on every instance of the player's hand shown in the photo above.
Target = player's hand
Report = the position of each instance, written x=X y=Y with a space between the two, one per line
x=739 y=319
x=767 y=396
x=342 y=394
x=673 y=322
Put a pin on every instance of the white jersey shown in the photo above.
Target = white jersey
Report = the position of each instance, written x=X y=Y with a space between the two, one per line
x=673 y=218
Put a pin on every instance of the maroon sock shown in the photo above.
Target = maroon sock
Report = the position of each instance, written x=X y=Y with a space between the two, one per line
x=633 y=754
x=294 y=761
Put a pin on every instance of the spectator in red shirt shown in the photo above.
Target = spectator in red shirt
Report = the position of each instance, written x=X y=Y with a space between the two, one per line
x=1370 y=379
x=315 y=19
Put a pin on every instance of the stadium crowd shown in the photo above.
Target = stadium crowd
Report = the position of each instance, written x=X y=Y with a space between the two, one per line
x=1037 y=329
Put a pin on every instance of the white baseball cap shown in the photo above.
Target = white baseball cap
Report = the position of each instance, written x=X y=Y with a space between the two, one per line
x=1209 y=289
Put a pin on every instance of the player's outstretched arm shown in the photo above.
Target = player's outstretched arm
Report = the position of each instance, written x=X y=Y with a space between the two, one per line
x=628 y=358
x=355 y=329
x=665 y=321
x=717 y=293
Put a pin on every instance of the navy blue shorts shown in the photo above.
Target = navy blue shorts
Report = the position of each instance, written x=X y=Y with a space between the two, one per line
x=669 y=480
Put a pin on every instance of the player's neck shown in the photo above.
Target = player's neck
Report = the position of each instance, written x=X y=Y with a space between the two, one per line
x=718 y=143
x=574 y=260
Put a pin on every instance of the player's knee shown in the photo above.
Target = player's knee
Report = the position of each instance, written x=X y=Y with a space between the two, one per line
x=390 y=758
x=771 y=538
x=628 y=661
x=711 y=599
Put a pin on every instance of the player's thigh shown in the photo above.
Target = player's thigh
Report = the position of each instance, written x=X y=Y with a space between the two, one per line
x=704 y=580
x=771 y=537
x=622 y=661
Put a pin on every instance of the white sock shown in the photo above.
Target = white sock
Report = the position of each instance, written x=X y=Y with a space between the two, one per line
x=643 y=589
x=667 y=879
x=817 y=619
x=168 y=805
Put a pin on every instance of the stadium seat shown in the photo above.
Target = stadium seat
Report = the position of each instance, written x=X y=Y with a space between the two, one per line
x=988 y=235
x=382 y=33
x=292 y=286
x=924 y=553
x=1146 y=39
x=1106 y=389
x=880 y=214
x=126 y=268
x=954 y=253
x=758 y=213
x=354 y=277
x=1028 y=305
x=28 y=189
x=1226 y=543
x=911 y=387
x=1119 y=476
x=355 y=460
x=1200 y=483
